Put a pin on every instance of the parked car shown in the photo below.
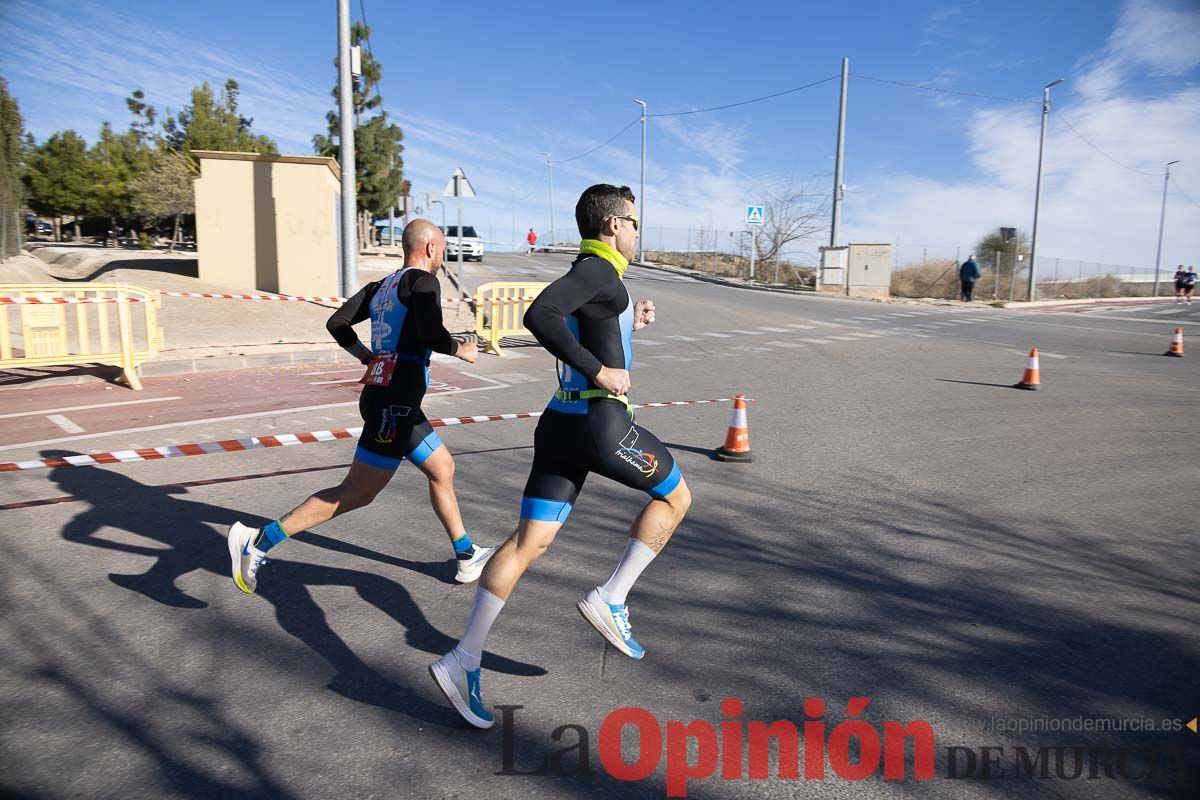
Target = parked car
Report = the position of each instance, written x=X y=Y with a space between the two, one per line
x=472 y=244
x=38 y=227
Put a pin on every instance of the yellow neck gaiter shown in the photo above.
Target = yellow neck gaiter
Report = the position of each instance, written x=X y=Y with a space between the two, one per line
x=595 y=247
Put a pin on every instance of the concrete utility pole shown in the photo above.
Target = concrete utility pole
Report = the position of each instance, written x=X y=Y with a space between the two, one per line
x=512 y=199
x=1037 y=195
x=1162 y=221
x=841 y=155
x=642 y=193
x=349 y=277
x=550 y=173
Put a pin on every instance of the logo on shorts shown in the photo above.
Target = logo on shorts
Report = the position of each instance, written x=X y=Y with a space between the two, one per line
x=627 y=451
x=387 y=428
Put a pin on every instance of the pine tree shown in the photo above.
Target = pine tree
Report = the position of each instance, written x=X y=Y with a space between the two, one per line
x=214 y=123
x=60 y=177
x=378 y=166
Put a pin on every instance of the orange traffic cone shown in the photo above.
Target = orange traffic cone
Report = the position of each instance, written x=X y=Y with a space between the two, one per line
x=737 y=438
x=1030 y=380
x=1176 y=344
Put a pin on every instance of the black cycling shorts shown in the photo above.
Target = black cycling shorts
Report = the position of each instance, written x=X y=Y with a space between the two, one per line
x=394 y=427
x=566 y=447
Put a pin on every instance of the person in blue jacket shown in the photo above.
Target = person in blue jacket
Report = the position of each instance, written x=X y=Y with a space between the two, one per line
x=968 y=273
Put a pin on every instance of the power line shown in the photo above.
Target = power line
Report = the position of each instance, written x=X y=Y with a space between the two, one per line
x=1098 y=150
x=943 y=91
x=607 y=141
x=1177 y=188
x=747 y=102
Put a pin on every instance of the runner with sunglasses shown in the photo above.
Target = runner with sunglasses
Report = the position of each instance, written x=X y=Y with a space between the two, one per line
x=586 y=319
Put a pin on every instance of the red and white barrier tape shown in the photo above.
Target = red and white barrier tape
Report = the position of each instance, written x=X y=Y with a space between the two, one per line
x=51 y=300
x=66 y=301
x=278 y=440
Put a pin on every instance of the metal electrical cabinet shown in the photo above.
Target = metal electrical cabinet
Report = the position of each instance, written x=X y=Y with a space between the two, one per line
x=869 y=270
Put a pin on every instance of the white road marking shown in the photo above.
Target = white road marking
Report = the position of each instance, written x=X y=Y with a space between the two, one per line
x=773 y=330
x=717 y=335
x=816 y=341
x=649 y=342
x=1170 y=311
x=865 y=335
x=749 y=333
x=787 y=344
x=64 y=423
x=843 y=338
x=679 y=338
x=801 y=327
x=82 y=408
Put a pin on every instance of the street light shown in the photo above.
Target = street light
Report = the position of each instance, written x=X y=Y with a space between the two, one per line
x=1037 y=196
x=642 y=194
x=443 y=205
x=1162 y=219
x=550 y=172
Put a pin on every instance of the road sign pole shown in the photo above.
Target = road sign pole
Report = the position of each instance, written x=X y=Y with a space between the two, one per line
x=753 y=248
x=458 y=197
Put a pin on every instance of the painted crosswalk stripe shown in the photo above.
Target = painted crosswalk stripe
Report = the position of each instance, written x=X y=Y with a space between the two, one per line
x=773 y=330
x=64 y=423
x=864 y=335
x=749 y=333
x=1170 y=311
x=816 y=341
x=716 y=335
x=650 y=342
x=798 y=326
x=787 y=344
x=679 y=338
x=844 y=338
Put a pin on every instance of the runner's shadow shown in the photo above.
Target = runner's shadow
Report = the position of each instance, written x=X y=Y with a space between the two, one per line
x=443 y=571
x=178 y=532
x=703 y=451
x=184 y=541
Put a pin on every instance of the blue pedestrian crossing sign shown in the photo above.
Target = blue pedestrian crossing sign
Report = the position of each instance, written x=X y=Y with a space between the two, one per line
x=754 y=215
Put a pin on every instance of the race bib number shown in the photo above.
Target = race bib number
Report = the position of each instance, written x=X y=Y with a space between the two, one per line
x=379 y=371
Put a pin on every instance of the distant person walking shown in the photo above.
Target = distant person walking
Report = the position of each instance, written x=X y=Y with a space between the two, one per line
x=1185 y=284
x=968 y=273
x=532 y=239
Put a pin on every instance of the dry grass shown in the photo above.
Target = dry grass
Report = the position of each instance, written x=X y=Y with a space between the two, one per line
x=727 y=265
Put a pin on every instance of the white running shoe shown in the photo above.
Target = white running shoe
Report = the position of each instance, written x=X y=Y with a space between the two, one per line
x=461 y=688
x=245 y=557
x=470 y=569
x=611 y=621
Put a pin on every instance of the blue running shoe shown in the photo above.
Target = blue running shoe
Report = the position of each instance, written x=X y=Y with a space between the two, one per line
x=611 y=621
x=461 y=688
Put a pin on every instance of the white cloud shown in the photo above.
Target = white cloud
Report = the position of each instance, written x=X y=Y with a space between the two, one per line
x=1092 y=208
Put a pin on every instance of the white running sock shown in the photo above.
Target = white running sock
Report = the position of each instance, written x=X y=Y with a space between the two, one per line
x=483 y=613
x=637 y=557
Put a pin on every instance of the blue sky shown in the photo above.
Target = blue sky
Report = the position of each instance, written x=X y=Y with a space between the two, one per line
x=491 y=87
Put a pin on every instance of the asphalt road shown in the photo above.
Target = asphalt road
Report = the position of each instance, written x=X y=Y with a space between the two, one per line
x=912 y=530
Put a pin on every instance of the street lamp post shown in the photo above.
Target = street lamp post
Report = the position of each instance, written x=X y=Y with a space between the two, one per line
x=443 y=205
x=642 y=193
x=1037 y=195
x=550 y=173
x=1162 y=221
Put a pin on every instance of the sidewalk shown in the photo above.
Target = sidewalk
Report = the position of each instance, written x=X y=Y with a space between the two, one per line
x=202 y=334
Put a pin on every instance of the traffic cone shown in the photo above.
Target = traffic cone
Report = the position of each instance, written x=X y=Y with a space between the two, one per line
x=737 y=438
x=1030 y=380
x=1176 y=344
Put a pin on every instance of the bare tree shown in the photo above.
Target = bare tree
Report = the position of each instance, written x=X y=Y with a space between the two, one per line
x=796 y=216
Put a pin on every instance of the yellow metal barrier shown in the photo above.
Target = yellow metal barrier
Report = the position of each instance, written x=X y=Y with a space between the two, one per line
x=505 y=303
x=48 y=338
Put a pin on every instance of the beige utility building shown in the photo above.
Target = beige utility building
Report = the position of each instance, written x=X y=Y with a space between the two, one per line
x=856 y=270
x=269 y=222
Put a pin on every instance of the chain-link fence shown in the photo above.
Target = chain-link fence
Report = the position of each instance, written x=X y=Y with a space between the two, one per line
x=921 y=271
